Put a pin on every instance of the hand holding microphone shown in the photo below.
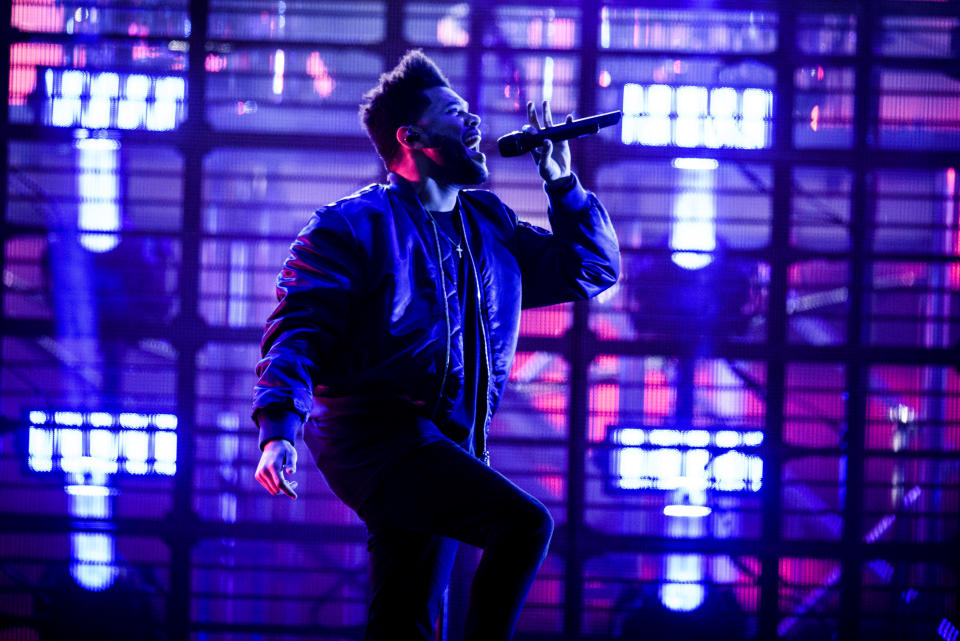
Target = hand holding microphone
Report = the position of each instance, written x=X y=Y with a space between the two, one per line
x=517 y=143
x=553 y=161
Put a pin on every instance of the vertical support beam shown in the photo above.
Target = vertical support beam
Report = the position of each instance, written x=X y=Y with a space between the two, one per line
x=780 y=259
x=581 y=354
x=194 y=137
x=394 y=43
x=4 y=159
x=857 y=371
x=480 y=15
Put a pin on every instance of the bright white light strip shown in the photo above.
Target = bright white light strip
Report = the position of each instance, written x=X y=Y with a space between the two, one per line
x=722 y=129
x=278 y=65
x=667 y=466
x=683 y=592
x=631 y=465
x=238 y=307
x=68 y=418
x=40 y=449
x=697 y=164
x=548 y=78
x=133 y=421
x=65 y=109
x=89 y=490
x=632 y=111
x=656 y=128
x=757 y=104
x=690 y=511
x=665 y=438
x=165 y=453
x=162 y=115
x=697 y=438
x=93 y=567
x=90 y=505
x=727 y=438
x=731 y=471
x=134 y=447
x=104 y=88
x=132 y=109
x=691 y=113
x=604 y=28
x=69 y=444
x=99 y=190
x=693 y=230
x=165 y=421
x=100 y=419
x=104 y=449
x=631 y=436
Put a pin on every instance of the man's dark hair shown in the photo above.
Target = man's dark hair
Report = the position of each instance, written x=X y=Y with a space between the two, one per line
x=398 y=101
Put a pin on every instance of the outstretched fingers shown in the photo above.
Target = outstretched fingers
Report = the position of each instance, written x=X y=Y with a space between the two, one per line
x=288 y=487
x=532 y=116
x=547 y=115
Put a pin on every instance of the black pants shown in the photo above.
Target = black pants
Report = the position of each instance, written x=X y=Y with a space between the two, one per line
x=438 y=496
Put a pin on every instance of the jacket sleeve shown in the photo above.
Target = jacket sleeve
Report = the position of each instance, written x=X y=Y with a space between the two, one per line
x=580 y=259
x=305 y=331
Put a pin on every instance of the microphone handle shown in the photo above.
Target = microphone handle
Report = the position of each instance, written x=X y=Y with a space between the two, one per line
x=518 y=143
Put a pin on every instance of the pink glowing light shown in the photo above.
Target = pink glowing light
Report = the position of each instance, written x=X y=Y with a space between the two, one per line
x=43 y=16
x=323 y=82
x=25 y=57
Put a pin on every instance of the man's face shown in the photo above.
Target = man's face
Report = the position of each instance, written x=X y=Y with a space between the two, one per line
x=452 y=139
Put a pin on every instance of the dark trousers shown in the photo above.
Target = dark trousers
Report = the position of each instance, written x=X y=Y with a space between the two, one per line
x=440 y=495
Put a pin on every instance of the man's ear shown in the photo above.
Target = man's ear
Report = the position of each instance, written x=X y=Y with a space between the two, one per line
x=409 y=137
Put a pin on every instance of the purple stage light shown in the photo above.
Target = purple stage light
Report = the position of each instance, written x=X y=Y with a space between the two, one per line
x=88 y=448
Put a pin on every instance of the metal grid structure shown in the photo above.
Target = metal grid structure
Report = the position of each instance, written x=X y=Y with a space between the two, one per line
x=791 y=379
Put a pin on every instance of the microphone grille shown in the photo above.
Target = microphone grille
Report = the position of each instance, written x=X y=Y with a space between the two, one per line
x=511 y=145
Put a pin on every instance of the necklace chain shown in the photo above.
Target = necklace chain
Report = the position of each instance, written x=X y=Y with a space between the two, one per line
x=457 y=245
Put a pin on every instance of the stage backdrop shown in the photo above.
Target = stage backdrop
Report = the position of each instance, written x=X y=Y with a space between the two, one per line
x=754 y=435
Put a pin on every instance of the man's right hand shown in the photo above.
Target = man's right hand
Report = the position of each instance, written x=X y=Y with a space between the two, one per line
x=279 y=456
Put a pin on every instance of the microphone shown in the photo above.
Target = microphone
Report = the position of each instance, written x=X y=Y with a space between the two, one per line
x=517 y=143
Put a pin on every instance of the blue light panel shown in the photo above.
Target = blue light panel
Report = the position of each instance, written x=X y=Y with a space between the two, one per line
x=691 y=116
x=107 y=100
x=673 y=459
x=88 y=448
x=102 y=443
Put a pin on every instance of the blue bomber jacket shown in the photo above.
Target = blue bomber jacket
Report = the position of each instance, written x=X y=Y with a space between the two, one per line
x=366 y=316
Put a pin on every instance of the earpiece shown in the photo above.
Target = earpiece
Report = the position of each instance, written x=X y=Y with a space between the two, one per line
x=412 y=136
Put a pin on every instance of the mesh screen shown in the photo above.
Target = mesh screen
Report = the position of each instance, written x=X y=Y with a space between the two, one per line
x=752 y=435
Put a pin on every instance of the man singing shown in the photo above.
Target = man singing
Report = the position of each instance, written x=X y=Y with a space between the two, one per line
x=397 y=323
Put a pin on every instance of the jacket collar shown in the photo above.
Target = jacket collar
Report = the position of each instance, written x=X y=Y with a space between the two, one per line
x=403 y=189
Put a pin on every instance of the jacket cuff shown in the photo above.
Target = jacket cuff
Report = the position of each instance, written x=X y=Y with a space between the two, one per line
x=282 y=423
x=266 y=436
x=567 y=193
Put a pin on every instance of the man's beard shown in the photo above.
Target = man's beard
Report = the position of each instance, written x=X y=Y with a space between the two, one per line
x=458 y=167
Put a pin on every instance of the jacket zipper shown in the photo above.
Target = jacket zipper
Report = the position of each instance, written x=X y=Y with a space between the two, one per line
x=482 y=312
x=446 y=312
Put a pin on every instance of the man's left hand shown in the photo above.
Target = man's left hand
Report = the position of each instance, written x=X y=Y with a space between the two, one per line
x=553 y=159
